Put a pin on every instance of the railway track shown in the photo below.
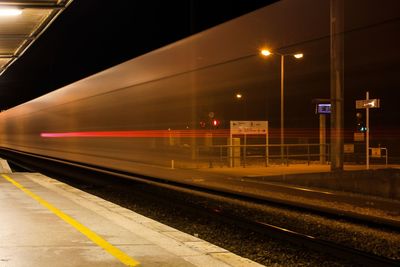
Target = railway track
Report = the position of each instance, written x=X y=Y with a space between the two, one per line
x=210 y=203
x=355 y=256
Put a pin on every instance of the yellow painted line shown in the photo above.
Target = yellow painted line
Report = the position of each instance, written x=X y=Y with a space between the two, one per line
x=117 y=253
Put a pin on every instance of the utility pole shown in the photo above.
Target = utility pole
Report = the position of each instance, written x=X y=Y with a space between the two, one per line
x=337 y=89
x=367 y=132
x=282 y=107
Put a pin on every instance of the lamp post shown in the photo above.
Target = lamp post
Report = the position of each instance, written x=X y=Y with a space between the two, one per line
x=266 y=53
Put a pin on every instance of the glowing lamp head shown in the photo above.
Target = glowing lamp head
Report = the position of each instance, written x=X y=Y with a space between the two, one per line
x=298 y=56
x=239 y=95
x=265 y=52
x=9 y=12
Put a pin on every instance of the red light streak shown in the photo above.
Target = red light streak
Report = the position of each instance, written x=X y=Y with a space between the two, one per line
x=137 y=134
x=203 y=133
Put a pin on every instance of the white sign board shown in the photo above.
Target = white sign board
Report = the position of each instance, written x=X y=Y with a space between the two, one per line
x=348 y=148
x=375 y=152
x=369 y=103
x=249 y=127
x=359 y=137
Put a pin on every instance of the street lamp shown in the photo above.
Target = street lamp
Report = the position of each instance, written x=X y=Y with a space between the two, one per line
x=266 y=53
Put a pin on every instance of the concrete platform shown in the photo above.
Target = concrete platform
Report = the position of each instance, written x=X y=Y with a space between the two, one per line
x=47 y=223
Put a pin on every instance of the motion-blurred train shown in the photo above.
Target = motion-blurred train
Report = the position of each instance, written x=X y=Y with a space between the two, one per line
x=164 y=109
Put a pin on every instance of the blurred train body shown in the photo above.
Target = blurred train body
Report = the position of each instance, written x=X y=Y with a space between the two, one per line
x=160 y=101
x=147 y=113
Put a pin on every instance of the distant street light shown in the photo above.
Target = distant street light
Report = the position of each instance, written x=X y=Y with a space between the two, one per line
x=265 y=53
x=300 y=55
x=239 y=95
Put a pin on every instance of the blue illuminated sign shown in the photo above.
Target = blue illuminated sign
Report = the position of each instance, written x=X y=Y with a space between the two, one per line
x=324 y=109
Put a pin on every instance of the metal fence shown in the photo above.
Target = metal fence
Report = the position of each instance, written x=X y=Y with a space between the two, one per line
x=245 y=155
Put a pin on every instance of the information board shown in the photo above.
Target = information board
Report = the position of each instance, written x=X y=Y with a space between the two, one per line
x=368 y=103
x=375 y=152
x=348 y=148
x=324 y=109
x=359 y=137
x=249 y=127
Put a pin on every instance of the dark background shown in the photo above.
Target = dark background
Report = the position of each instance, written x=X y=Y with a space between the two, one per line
x=93 y=35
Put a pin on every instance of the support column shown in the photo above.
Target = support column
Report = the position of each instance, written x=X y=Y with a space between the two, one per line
x=322 y=138
x=337 y=90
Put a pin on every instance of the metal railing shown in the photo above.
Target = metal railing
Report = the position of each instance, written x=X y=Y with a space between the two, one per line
x=244 y=155
x=380 y=155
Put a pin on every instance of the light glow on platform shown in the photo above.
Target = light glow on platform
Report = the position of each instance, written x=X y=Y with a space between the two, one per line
x=8 y=12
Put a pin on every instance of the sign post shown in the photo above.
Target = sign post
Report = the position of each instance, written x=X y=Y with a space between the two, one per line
x=322 y=109
x=249 y=128
x=367 y=104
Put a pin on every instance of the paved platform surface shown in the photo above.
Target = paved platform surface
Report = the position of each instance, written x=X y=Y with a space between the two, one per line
x=47 y=223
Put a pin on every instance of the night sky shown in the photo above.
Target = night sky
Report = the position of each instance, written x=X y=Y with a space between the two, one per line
x=93 y=35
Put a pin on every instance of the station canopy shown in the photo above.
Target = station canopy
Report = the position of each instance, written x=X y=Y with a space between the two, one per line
x=21 y=23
